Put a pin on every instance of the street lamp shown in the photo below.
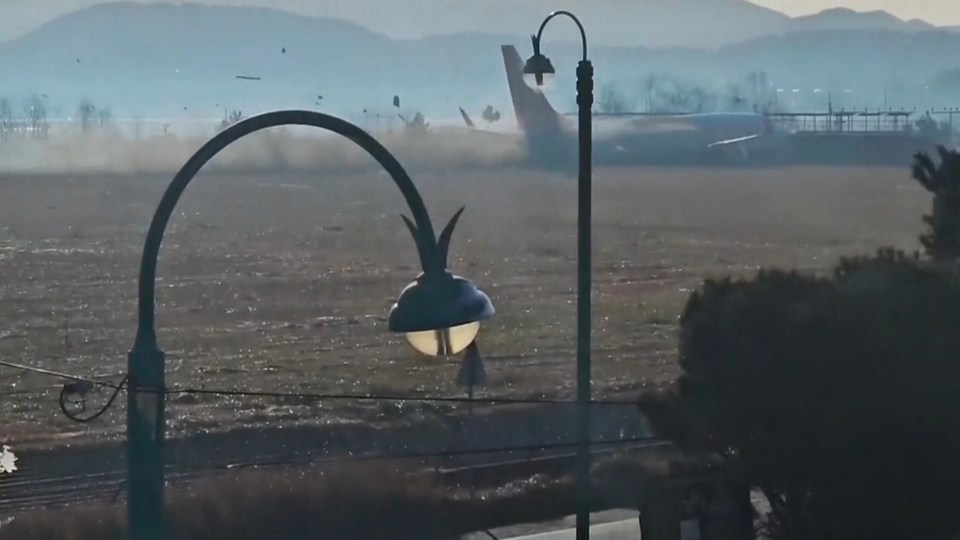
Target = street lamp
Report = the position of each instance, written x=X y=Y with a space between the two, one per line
x=439 y=312
x=538 y=72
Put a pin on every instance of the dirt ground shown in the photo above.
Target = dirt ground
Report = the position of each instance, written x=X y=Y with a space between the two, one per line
x=282 y=281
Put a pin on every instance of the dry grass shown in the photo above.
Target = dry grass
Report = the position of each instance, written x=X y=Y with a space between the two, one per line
x=368 y=502
x=281 y=281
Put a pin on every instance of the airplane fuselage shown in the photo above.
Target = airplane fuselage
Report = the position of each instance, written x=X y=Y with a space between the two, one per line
x=551 y=137
x=651 y=139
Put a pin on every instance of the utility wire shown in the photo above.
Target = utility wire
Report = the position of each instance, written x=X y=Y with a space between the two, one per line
x=317 y=396
x=389 y=397
x=83 y=385
x=57 y=374
x=653 y=441
x=33 y=390
x=72 y=389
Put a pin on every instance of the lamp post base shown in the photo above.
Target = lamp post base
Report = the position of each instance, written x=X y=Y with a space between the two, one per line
x=145 y=443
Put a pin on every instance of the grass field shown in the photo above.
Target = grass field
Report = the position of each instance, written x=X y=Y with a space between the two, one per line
x=282 y=281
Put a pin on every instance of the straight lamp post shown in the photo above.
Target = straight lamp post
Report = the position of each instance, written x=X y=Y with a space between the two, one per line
x=538 y=72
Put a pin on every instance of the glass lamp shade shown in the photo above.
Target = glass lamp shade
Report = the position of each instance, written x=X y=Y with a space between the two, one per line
x=444 y=342
x=545 y=81
x=440 y=314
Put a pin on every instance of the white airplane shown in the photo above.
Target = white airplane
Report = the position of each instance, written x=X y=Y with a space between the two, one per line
x=636 y=138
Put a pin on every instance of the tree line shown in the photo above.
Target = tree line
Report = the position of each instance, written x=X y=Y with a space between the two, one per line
x=30 y=118
x=663 y=93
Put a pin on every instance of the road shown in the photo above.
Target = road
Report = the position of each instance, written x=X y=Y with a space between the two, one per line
x=610 y=525
x=628 y=529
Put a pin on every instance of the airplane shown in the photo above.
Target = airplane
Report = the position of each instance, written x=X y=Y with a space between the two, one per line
x=551 y=137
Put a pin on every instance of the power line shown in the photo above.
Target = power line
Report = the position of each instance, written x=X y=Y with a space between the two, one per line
x=320 y=396
x=81 y=386
x=34 y=390
x=653 y=441
x=57 y=374
x=389 y=397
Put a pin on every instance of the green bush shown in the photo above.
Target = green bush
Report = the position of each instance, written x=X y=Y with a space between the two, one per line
x=839 y=396
x=942 y=239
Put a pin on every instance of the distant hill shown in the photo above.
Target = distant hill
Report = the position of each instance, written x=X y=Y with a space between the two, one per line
x=161 y=59
x=648 y=23
x=656 y=23
x=847 y=19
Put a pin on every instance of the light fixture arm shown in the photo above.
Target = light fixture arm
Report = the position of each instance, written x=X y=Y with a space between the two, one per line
x=434 y=256
x=421 y=227
x=583 y=33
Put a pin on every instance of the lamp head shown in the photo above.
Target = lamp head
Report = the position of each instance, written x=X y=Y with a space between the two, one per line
x=538 y=71
x=440 y=313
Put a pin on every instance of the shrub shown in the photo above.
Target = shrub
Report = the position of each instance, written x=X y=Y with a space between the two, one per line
x=942 y=240
x=354 y=501
x=836 y=396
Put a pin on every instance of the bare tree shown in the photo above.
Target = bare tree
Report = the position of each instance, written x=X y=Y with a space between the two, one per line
x=6 y=119
x=103 y=117
x=735 y=98
x=85 y=112
x=230 y=118
x=611 y=101
x=701 y=100
x=137 y=126
x=35 y=112
x=649 y=85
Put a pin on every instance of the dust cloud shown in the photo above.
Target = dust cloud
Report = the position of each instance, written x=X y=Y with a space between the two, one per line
x=273 y=149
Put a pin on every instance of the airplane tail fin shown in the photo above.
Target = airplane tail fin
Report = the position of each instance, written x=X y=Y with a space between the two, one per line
x=466 y=118
x=533 y=111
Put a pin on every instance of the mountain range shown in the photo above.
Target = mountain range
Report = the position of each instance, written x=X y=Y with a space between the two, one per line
x=159 y=58
x=647 y=23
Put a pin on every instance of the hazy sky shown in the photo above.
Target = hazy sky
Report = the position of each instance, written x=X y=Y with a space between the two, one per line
x=19 y=16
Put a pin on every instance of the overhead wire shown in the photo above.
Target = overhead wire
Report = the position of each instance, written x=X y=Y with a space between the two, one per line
x=315 y=395
x=81 y=386
x=57 y=374
x=392 y=397
x=454 y=453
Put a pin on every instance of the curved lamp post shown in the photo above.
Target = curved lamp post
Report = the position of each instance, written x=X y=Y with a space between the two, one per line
x=438 y=312
x=538 y=72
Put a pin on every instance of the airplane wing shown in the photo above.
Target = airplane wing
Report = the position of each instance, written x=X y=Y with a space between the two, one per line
x=734 y=141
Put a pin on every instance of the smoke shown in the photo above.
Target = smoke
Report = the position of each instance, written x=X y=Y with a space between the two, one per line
x=276 y=149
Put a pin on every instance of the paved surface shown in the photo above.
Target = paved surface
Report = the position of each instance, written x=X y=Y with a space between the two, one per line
x=609 y=525
x=617 y=530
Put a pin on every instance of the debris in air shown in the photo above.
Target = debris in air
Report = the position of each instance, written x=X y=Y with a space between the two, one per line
x=8 y=461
